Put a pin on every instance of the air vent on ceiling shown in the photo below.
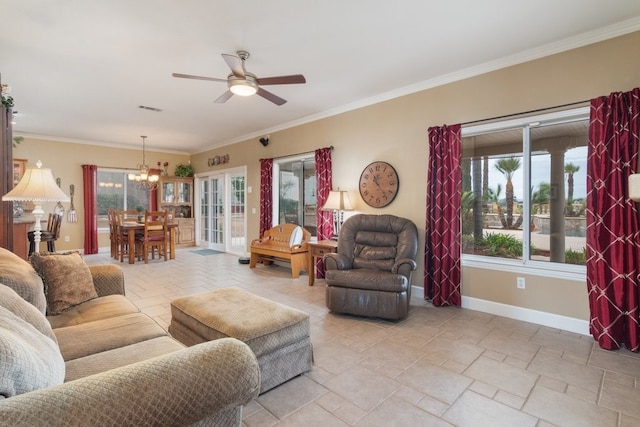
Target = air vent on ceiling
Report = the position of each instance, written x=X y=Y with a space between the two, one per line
x=144 y=107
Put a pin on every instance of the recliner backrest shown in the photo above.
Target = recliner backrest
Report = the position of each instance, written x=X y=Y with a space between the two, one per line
x=377 y=241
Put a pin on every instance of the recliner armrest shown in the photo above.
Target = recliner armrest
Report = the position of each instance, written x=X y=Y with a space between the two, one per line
x=178 y=388
x=336 y=261
x=399 y=263
x=108 y=279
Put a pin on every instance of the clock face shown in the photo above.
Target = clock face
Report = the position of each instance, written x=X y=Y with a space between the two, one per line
x=379 y=184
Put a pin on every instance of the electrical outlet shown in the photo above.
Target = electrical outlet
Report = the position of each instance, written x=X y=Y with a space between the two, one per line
x=520 y=283
x=67 y=238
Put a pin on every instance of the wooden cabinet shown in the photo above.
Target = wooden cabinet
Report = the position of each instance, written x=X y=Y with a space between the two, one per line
x=19 y=166
x=176 y=195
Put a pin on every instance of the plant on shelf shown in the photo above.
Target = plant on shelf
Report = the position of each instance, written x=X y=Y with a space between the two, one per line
x=7 y=100
x=183 y=170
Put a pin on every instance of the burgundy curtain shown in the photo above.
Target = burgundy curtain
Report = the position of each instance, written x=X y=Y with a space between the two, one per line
x=442 y=238
x=90 y=181
x=613 y=239
x=324 y=219
x=266 y=195
x=153 y=200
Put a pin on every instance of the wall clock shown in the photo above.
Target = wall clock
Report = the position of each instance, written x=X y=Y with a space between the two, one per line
x=379 y=184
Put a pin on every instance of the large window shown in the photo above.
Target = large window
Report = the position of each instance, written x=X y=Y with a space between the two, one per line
x=115 y=191
x=297 y=193
x=524 y=190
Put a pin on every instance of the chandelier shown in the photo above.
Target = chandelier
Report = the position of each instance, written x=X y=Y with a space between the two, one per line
x=144 y=178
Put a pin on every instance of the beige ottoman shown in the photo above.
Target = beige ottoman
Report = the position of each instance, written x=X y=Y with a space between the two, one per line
x=277 y=334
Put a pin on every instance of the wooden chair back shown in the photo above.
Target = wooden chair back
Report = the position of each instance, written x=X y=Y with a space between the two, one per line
x=156 y=234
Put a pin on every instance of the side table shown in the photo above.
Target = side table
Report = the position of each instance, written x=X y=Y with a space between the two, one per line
x=318 y=250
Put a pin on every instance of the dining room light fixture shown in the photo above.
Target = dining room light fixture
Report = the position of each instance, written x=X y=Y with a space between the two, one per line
x=338 y=202
x=145 y=178
x=37 y=186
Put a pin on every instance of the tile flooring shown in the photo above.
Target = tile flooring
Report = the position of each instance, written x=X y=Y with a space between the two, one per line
x=439 y=367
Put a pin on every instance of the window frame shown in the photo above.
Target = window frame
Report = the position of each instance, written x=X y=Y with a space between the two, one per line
x=526 y=265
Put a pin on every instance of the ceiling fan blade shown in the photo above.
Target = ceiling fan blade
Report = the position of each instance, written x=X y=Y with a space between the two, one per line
x=189 y=76
x=224 y=97
x=235 y=64
x=271 y=97
x=282 y=80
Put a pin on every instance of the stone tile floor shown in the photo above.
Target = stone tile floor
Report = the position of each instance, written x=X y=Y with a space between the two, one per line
x=439 y=367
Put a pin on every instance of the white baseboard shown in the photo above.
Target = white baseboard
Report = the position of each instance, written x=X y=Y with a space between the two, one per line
x=551 y=320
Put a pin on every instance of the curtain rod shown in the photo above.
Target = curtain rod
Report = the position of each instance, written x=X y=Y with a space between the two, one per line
x=571 y=104
x=292 y=155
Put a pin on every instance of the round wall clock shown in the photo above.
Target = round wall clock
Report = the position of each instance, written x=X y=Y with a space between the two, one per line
x=379 y=184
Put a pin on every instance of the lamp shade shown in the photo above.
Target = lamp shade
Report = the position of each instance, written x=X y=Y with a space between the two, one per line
x=37 y=185
x=338 y=201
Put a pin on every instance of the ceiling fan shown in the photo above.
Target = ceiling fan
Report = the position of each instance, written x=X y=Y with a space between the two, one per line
x=243 y=83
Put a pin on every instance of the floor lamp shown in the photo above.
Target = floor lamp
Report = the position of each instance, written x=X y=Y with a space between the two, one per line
x=338 y=202
x=37 y=186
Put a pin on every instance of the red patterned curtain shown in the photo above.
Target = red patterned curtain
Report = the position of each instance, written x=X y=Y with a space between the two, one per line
x=266 y=195
x=442 y=238
x=324 y=185
x=90 y=181
x=613 y=238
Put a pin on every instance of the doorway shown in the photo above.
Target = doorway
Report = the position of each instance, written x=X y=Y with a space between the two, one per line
x=221 y=223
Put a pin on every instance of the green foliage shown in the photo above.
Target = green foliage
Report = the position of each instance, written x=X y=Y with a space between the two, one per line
x=575 y=257
x=501 y=245
x=467 y=202
x=183 y=170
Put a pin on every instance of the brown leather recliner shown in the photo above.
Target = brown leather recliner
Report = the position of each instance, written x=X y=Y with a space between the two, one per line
x=370 y=275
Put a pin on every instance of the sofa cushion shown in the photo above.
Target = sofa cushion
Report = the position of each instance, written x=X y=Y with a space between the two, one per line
x=110 y=359
x=107 y=334
x=29 y=358
x=96 y=309
x=20 y=276
x=67 y=280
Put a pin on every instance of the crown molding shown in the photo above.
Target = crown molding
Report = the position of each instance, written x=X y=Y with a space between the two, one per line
x=581 y=40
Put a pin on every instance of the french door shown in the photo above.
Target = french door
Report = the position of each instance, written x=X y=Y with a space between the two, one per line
x=222 y=222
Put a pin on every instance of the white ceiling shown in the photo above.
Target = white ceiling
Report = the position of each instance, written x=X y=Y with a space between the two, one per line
x=80 y=69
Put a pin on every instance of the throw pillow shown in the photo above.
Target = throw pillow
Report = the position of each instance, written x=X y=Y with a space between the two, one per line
x=67 y=280
x=13 y=302
x=29 y=360
x=296 y=237
x=19 y=275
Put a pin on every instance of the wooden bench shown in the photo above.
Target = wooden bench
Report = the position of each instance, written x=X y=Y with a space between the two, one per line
x=275 y=244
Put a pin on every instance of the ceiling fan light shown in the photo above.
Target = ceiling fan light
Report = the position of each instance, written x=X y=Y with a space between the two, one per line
x=243 y=88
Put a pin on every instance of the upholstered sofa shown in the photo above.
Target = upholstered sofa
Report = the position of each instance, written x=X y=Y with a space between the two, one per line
x=370 y=275
x=102 y=362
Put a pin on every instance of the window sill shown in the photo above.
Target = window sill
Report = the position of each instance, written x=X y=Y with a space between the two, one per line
x=576 y=273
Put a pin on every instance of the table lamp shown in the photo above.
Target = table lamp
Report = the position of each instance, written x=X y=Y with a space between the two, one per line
x=338 y=201
x=37 y=186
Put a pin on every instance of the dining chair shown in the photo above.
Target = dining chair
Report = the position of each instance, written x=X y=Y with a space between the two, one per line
x=155 y=235
x=122 y=235
x=112 y=217
x=50 y=235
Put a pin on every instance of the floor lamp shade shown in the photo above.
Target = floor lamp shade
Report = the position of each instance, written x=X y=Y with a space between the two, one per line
x=38 y=186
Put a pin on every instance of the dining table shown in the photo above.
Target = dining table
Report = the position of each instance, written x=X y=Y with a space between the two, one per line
x=132 y=227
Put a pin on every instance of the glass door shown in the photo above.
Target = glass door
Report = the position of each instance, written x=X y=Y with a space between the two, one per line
x=237 y=216
x=222 y=222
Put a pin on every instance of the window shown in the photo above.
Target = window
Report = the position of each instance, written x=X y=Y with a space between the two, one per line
x=115 y=191
x=524 y=190
x=297 y=192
